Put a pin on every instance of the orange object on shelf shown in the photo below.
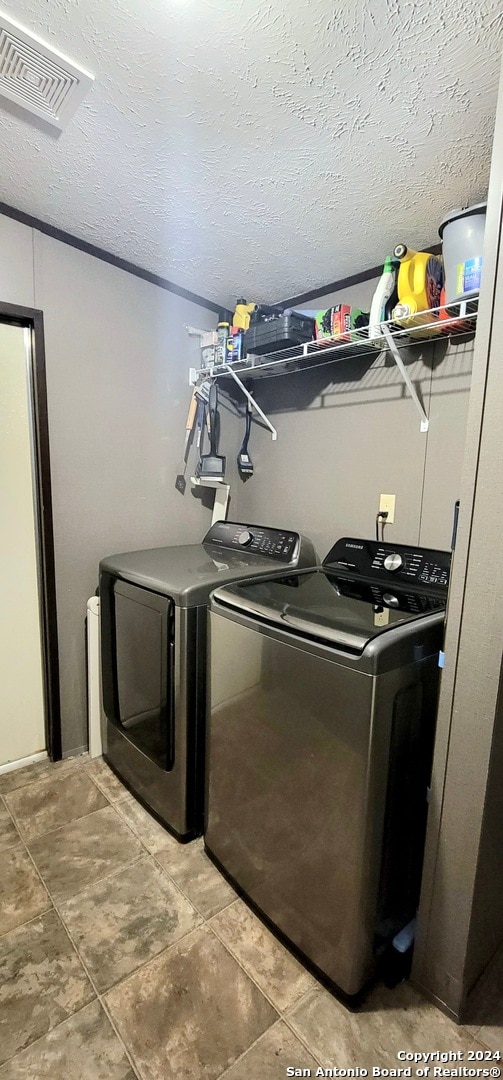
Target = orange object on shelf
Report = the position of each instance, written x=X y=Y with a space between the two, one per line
x=447 y=325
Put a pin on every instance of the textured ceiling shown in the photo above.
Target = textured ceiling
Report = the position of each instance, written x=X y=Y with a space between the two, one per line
x=263 y=148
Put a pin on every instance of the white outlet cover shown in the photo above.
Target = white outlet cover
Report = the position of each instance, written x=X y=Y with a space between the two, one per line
x=387 y=504
x=37 y=77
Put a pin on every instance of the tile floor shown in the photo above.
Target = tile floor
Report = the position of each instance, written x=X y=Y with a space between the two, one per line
x=124 y=955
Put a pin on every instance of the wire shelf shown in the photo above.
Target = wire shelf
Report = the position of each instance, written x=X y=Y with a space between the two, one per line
x=457 y=320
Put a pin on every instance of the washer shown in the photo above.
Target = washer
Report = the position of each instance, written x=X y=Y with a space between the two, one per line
x=153 y=612
x=320 y=732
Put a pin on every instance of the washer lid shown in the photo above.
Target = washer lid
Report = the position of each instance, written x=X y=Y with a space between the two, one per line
x=330 y=607
x=187 y=573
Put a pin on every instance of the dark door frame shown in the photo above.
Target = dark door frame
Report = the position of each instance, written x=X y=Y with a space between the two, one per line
x=33 y=320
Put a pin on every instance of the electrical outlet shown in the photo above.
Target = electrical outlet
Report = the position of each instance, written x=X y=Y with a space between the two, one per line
x=387 y=505
x=381 y=618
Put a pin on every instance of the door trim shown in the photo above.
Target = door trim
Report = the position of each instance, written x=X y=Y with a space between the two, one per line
x=33 y=319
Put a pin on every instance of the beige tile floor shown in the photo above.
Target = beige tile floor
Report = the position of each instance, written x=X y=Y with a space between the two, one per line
x=124 y=954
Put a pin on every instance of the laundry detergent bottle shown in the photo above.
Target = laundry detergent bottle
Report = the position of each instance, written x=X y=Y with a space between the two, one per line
x=420 y=280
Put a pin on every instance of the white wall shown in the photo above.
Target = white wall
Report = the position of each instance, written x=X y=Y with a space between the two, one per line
x=117 y=359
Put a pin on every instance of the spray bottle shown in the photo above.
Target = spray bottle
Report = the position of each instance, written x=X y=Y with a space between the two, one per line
x=380 y=301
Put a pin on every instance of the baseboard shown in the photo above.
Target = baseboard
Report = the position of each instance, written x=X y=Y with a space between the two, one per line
x=75 y=753
x=436 y=1000
x=10 y=766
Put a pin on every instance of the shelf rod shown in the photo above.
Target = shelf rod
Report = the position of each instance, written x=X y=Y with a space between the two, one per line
x=405 y=375
x=249 y=397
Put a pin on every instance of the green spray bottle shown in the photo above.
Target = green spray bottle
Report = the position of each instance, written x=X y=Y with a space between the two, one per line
x=386 y=287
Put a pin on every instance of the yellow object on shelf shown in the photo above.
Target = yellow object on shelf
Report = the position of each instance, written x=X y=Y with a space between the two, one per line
x=241 y=320
x=420 y=280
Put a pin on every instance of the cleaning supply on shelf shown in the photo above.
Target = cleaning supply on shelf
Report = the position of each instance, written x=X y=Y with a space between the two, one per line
x=383 y=301
x=235 y=345
x=242 y=312
x=245 y=463
x=209 y=342
x=420 y=280
x=221 y=349
x=462 y=235
x=342 y=321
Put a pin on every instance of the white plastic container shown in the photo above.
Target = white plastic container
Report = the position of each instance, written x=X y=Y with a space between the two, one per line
x=462 y=234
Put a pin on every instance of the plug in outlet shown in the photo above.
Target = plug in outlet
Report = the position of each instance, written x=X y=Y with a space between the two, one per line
x=387 y=506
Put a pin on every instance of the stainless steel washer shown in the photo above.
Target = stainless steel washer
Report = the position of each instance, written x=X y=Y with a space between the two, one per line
x=320 y=732
x=153 y=613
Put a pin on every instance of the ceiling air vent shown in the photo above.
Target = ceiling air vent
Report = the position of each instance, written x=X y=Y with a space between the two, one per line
x=37 y=77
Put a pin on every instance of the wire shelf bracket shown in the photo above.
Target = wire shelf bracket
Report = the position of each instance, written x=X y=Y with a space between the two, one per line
x=221 y=497
x=405 y=375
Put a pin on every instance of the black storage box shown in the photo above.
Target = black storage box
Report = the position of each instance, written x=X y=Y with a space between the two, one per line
x=281 y=333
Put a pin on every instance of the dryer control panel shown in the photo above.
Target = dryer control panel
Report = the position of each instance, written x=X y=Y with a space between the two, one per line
x=278 y=544
x=386 y=562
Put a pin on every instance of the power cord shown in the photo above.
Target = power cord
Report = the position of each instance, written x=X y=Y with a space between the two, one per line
x=382 y=517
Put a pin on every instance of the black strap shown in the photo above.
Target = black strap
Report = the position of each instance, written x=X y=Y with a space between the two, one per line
x=248 y=423
x=214 y=418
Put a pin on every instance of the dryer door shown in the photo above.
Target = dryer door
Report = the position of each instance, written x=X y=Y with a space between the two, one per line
x=138 y=666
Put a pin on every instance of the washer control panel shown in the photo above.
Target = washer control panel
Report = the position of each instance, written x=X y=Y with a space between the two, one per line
x=397 y=563
x=278 y=544
x=401 y=597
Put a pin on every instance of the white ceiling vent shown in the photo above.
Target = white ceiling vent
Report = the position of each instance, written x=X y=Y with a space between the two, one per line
x=38 y=77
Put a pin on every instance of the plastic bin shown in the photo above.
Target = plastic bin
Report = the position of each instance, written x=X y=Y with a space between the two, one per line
x=462 y=234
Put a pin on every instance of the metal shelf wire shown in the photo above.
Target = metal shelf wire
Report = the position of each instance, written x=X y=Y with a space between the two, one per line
x=461 y=320
x=458 y=320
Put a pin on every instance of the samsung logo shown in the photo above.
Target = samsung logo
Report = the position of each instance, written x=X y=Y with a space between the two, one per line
x=359 y=547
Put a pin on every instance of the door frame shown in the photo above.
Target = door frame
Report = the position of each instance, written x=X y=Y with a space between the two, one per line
x=33 y=320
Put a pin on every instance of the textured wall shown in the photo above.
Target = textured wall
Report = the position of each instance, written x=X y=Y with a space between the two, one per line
x=348 y=431
x=266 y=148
x=117 y=360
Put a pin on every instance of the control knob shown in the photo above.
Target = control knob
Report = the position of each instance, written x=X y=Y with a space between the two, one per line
x=390 y=600
x=245 y=538
x=393 y=562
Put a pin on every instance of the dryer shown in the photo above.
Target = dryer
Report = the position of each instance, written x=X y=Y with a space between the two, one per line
x=153 y=614
x=320 y=746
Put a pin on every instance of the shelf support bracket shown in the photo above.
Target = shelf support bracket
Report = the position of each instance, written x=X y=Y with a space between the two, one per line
x=221 y=498
x=392 y=346
x=249 y=397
